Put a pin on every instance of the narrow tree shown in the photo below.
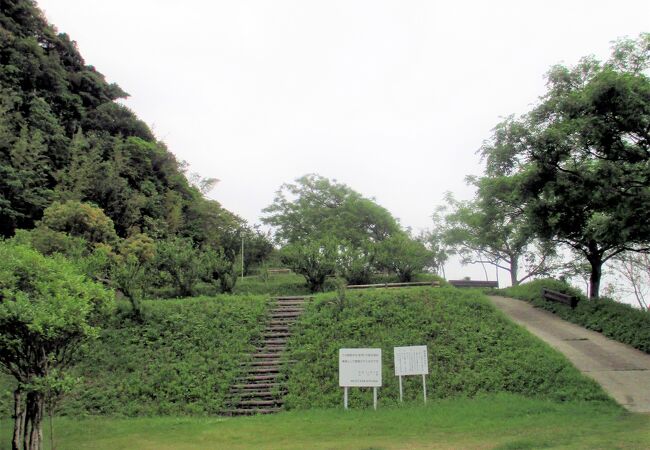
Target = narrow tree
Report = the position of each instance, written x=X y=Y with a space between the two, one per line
x=493 y=229
x=46 y=310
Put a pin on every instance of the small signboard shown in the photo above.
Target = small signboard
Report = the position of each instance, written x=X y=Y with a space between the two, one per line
x=360 y=367
x=411 y=360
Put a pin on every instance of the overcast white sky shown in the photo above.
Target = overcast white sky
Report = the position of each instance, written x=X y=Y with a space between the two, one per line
x=392 y=98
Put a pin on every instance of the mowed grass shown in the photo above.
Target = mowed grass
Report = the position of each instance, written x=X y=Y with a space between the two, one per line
x=500 y=421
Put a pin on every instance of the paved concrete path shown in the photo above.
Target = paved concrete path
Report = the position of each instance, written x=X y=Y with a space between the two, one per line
x=621 y=370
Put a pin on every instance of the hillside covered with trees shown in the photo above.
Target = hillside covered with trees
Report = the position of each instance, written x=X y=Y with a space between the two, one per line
x=64 y=136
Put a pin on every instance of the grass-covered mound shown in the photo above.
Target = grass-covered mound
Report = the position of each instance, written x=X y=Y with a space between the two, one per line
x=182 y=360
x=618 y=321
x=473 y=349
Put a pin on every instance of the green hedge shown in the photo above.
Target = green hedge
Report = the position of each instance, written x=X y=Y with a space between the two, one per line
x=618 y=321
x=473 y=349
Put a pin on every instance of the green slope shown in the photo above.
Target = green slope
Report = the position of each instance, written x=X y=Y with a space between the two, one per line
x=472 y=349
x=183 y=359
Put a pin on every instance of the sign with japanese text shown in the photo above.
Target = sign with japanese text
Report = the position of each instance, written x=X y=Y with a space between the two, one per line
x=360 y=367
x=411 y=360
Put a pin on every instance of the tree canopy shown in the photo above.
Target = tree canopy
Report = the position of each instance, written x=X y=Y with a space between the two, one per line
x=580 y=157
x=315 y=206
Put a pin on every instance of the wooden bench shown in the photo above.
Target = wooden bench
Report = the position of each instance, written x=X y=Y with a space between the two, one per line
x=474 y=284
x=560 y=297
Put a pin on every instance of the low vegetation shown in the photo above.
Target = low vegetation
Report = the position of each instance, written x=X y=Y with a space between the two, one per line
x=473 y=349
x=500 y=421
x=618 y=321
x=181 y=360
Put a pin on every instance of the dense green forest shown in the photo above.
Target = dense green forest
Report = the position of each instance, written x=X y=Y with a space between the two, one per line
x=64 y=135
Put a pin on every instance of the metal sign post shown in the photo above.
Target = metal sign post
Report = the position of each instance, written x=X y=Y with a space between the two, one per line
x=374 y=398
x=424 y=388
x=411 y=360
x=359 y=367
x=400 y=389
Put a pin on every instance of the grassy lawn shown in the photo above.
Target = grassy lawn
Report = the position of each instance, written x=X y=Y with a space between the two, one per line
x=501 y=421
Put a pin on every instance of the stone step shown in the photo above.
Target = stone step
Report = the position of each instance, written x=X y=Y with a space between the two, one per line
x=250 y=412
x=266 y=377
x=293 y=316
x=260 y=402
x=254 y=370
x=266 y=355
x=293 y=297
x=261 y=385
x=277 y=329
x=271 y=348
x=261 y=395
x=265 y=362
x=276 y=334
x=261 y=391
x=277 y=341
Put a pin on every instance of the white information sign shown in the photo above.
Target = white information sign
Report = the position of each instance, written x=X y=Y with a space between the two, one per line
x=360 y=367
x=411 y=360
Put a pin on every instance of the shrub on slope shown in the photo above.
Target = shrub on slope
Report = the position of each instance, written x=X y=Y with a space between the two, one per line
x=473 y=349
x=182 y=360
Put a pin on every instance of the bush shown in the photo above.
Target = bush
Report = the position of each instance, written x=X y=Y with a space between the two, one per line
x=80 y=220
x=403 y=256
x=615 y=320
x=473 y=349
x=184 y=263
x=356 y=264
x=313 y=259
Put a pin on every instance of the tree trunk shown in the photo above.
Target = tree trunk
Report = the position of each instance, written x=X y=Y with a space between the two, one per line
x=19 y=420
x=514 y=270
x=596 y=274
x=34 y=423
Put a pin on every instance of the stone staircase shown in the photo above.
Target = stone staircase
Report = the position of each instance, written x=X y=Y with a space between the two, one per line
x=260 y=389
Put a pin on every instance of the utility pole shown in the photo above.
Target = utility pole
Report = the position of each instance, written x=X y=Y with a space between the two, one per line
x=242 y=258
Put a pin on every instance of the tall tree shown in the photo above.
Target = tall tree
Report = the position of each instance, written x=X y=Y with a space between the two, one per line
x=581 y=156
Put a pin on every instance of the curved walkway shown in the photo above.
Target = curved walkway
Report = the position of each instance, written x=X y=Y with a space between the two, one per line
x=621 y=370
